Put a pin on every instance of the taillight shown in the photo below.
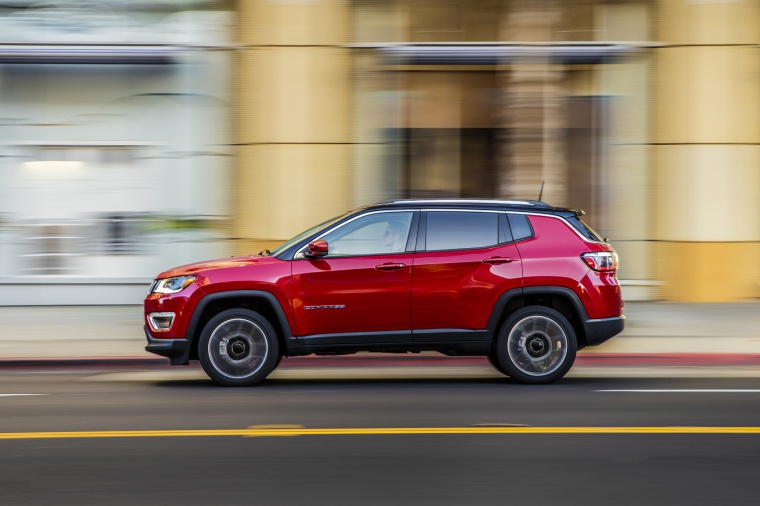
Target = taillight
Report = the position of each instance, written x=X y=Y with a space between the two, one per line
x=604 y=261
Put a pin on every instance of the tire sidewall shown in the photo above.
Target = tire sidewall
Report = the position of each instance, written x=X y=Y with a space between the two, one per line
x=493 y=359
x=270 y=361
x=502 y=353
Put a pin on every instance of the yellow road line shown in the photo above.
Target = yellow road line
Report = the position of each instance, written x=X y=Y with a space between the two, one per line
x=376 y=431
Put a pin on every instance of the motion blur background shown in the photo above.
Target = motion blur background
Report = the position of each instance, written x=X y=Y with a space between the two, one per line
x=138 y=135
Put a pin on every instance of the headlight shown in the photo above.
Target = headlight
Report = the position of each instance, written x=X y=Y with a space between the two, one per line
x=172 y=285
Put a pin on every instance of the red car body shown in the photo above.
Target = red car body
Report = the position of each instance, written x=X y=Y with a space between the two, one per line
x=434 y=294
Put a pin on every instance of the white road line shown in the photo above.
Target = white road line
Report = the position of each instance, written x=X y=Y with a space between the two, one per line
x=690 y=391
x=19 y=395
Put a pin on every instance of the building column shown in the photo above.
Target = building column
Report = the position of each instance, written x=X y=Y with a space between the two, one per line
x=706 y=150
x=532 y=114
x=293 y=127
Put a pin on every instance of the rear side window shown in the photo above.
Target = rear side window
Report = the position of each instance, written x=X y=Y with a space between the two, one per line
x=520 y=226
x=449 y=230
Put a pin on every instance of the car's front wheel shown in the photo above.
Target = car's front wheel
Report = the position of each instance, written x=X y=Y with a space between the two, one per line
x=238 y=347
x=536 y=344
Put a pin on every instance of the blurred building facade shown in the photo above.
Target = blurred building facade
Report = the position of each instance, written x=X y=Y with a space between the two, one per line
x=643 y=113
x=144 y=134
x=115 y=155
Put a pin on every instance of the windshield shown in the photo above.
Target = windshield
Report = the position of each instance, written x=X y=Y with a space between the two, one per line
x=287 y=244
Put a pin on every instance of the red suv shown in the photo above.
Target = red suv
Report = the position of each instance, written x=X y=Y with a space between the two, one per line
x=520 y=282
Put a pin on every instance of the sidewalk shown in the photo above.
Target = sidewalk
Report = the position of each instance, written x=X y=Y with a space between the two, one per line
x=655 y=333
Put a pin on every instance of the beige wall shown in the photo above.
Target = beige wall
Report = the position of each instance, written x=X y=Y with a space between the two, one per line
x=706 y=150
x=708 y=271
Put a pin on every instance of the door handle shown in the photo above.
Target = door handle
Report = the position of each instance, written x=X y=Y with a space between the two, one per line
x=497 y=260
x=389 y=267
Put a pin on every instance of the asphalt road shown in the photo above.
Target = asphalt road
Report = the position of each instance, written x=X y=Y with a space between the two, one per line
x=156 y=437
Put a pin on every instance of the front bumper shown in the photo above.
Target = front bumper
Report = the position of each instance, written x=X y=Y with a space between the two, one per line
x=176 y=350
x=602 y=329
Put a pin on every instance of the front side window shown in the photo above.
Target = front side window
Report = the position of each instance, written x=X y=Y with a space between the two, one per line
x=373 y=234
x=452 y=230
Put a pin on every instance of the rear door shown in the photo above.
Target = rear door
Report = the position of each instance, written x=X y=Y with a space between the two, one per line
x=465 y=260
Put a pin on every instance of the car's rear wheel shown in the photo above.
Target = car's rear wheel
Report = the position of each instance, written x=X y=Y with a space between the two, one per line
x=536 y=344
x=238 y=347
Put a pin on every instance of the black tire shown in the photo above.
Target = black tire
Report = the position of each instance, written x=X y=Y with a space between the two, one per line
x=238 y=347
x=537 y=345
x=494 y=361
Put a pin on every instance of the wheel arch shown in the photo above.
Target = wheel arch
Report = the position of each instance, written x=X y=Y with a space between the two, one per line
x=561 y=299
x=260 y=301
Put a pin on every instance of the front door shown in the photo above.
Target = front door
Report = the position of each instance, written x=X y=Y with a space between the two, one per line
x=359 y=292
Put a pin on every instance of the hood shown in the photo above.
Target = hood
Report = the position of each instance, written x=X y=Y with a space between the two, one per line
x=220 y=263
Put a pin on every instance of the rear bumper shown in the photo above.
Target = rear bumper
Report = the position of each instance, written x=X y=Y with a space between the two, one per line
x=176 y=350
x=602 y=329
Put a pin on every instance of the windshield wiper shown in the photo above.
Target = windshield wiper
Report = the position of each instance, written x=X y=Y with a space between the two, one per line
x=265 y=252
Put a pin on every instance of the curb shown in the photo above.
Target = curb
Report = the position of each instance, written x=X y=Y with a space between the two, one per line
x=362 y=360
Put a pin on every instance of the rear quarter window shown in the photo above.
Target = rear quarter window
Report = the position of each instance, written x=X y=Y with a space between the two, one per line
x=520 y=226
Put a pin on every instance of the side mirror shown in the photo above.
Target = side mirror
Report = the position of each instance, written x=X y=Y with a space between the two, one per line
x=317 y=249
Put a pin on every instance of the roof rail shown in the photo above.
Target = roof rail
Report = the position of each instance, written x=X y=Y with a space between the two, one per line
x=468 y=201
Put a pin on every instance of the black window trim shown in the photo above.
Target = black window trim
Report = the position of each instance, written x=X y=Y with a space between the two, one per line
x=505 y=229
